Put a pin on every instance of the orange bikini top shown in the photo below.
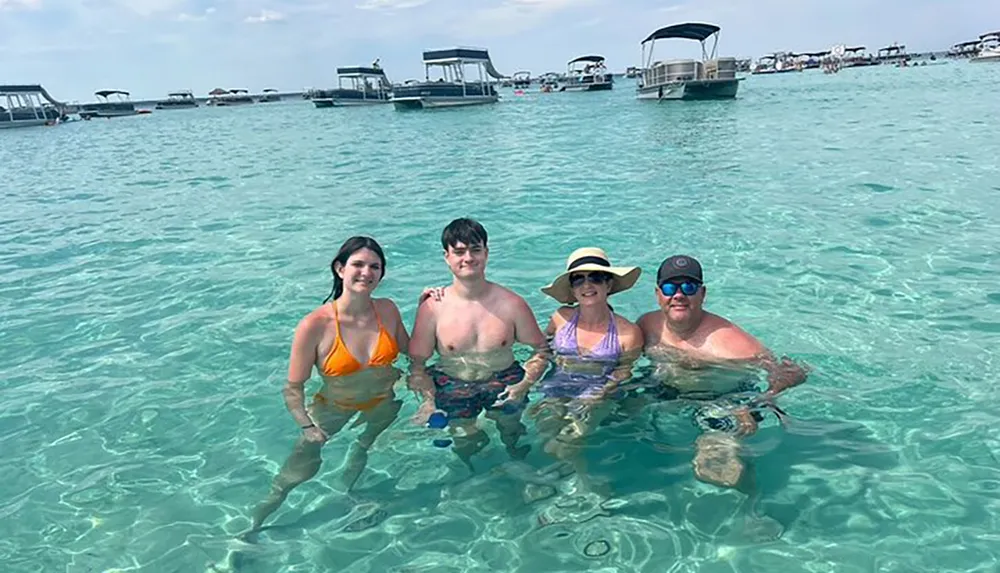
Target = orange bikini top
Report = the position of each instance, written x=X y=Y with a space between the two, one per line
x=340 y=362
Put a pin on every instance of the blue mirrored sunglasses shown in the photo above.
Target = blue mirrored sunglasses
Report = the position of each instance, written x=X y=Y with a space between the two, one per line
x=689 y=288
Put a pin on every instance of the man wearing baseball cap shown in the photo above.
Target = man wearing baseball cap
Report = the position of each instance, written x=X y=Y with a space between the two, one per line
x=682 y=334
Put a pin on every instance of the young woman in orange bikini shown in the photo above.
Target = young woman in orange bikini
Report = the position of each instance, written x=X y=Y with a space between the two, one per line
x=352 y=341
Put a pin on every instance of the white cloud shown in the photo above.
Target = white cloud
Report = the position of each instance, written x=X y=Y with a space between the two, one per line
x=543 y=6
x=264 y=17
x=185 y=17
x=20 y=4
x=390 y=4
x=546 y=4
x=147 y=8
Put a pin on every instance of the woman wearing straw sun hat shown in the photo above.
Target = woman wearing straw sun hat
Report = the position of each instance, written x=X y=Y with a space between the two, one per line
x=594 y=349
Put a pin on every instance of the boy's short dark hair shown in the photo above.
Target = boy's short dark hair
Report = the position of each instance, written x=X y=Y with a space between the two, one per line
x=463 y=230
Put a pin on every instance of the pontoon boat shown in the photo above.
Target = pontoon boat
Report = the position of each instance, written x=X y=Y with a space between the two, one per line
x=710 y=78
x=452 y=89
x=894 y=54
x=586 y=74
x=231 y=98
x=989 y=49
x=118 y=106
x=177 y=100
x=269 y=95
x=365 y=86
x=25 y=106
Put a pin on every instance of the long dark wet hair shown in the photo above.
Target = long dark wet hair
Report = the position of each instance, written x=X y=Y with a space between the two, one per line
x=351 y=246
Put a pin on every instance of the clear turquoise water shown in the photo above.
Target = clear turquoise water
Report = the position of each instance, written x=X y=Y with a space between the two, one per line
x=153 y=269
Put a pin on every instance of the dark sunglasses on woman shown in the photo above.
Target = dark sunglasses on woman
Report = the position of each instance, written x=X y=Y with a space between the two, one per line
x=596 y=278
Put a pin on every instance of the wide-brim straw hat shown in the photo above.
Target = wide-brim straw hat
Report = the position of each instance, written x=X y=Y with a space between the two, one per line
x=590 y=259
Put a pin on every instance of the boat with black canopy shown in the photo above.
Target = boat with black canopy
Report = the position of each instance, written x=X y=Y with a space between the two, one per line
x=586 y=74
x=364 y=86
x=269 y=95
x=811 y=60
x=28 y=105
x=111 y=103
x=453 y=87
x=178 y=100
x=521 y=80
x=229 y=98
x=894 y=54
x=711 y=77
x=857 y=57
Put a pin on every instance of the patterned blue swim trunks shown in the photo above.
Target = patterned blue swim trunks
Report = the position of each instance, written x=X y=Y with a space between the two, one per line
x=461 y=399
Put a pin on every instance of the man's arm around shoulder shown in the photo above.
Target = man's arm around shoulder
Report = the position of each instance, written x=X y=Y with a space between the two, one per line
x=422 y=344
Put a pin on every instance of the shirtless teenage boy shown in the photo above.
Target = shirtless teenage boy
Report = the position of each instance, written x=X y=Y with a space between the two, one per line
x=473 y=328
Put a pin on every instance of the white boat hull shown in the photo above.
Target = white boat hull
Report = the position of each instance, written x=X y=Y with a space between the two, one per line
x=24 y=123
x=595 y=87
x=108 y=114
x=442 y=102
x=103 y=114
x=691 y=90
x=991 y=56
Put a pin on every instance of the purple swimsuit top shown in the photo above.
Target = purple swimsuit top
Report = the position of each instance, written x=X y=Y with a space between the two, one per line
x=609 y=349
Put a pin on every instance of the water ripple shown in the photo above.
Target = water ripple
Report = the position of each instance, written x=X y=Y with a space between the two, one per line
x=153 y=275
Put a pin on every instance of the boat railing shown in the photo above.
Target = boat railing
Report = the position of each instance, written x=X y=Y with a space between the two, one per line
x=364 y=84
x=453 y=71
x=674 y=71
x=115 y=97
x=24 y=102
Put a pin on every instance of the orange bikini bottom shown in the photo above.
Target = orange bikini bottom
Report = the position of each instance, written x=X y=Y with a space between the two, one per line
x=352 y=405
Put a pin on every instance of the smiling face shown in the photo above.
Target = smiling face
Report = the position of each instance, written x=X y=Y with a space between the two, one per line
x=591 y=288
x=467 y=261
x=362 y=271
x=679 y=308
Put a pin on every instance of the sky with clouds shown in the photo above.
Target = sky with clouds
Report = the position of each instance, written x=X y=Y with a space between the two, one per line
x=150 y=47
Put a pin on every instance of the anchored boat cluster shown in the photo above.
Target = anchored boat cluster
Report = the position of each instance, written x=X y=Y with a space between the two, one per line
x=464 y=76
x=986 y=48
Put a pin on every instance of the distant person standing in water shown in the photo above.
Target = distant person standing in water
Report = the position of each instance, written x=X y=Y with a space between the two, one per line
x=704 y=358
x=473 y=327
x=352 y=342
